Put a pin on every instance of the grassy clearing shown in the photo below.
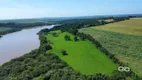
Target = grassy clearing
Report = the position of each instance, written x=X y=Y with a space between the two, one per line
x=132 y=26
x=109 y=20
x=82 y=56
x=3 y=29
x=127 y=48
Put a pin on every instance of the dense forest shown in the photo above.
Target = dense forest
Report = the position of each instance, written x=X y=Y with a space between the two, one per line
x=37 y=65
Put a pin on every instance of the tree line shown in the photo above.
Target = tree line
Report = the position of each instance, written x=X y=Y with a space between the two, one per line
x=19 y=26
x=22 y=25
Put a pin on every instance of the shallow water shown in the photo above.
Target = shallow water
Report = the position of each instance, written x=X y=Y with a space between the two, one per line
x=19 y=43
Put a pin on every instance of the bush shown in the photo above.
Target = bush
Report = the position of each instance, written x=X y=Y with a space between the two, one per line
x=64 y=53
x=67 y=38
x=76 y=38
x=43 y=48
x=47 y=47
x=55 y=34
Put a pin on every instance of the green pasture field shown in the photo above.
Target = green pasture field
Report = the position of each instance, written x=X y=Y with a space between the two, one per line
x=82 y=56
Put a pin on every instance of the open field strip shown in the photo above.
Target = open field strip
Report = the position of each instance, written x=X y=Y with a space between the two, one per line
x=132 y=27
x=82 y=56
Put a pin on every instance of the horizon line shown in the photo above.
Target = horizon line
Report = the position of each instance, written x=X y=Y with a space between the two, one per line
x=107 y=15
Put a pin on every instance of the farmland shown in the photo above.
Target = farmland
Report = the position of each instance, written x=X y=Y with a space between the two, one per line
x=126 y=47
x=82 y=56
x=132 y=26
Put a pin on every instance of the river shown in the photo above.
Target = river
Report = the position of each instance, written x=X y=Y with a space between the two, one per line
x=19 y=43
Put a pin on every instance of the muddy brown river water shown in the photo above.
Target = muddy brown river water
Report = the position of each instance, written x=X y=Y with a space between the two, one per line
x=19 y=43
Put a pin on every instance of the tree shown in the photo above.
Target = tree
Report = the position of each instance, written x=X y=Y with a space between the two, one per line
x=47 y=47
x=43 y=48
x=76 y=38
x=103 y=22
x=75 y=32
x=55 y=34
x=64 y=52
x=67 y=38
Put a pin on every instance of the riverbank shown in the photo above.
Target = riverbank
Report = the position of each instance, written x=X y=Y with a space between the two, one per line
x=19 y=43
x=2 y=33
x=10 y=27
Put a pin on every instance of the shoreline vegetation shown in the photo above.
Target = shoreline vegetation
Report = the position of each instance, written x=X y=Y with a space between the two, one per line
x=38 y=65
x=8 y=31
x=10 y=27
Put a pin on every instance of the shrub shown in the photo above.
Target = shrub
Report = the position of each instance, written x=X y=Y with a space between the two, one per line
x=67 y=38
x=64 y=53
x=75 y=38
x=55 y=34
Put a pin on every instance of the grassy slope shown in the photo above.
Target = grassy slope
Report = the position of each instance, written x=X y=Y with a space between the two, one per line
x=133 y=27
x=127 y=48
x=82 y=55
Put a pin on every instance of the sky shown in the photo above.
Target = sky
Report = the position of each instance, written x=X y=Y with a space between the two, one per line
x=17 y=9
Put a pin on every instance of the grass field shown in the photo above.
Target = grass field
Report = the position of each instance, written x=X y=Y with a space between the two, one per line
x=132 y=26
x=109 y=20
x=82 y=56
x=2 y=29
x=127 y=48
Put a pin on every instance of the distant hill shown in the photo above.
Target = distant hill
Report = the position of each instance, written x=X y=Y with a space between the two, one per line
x=53 y=19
